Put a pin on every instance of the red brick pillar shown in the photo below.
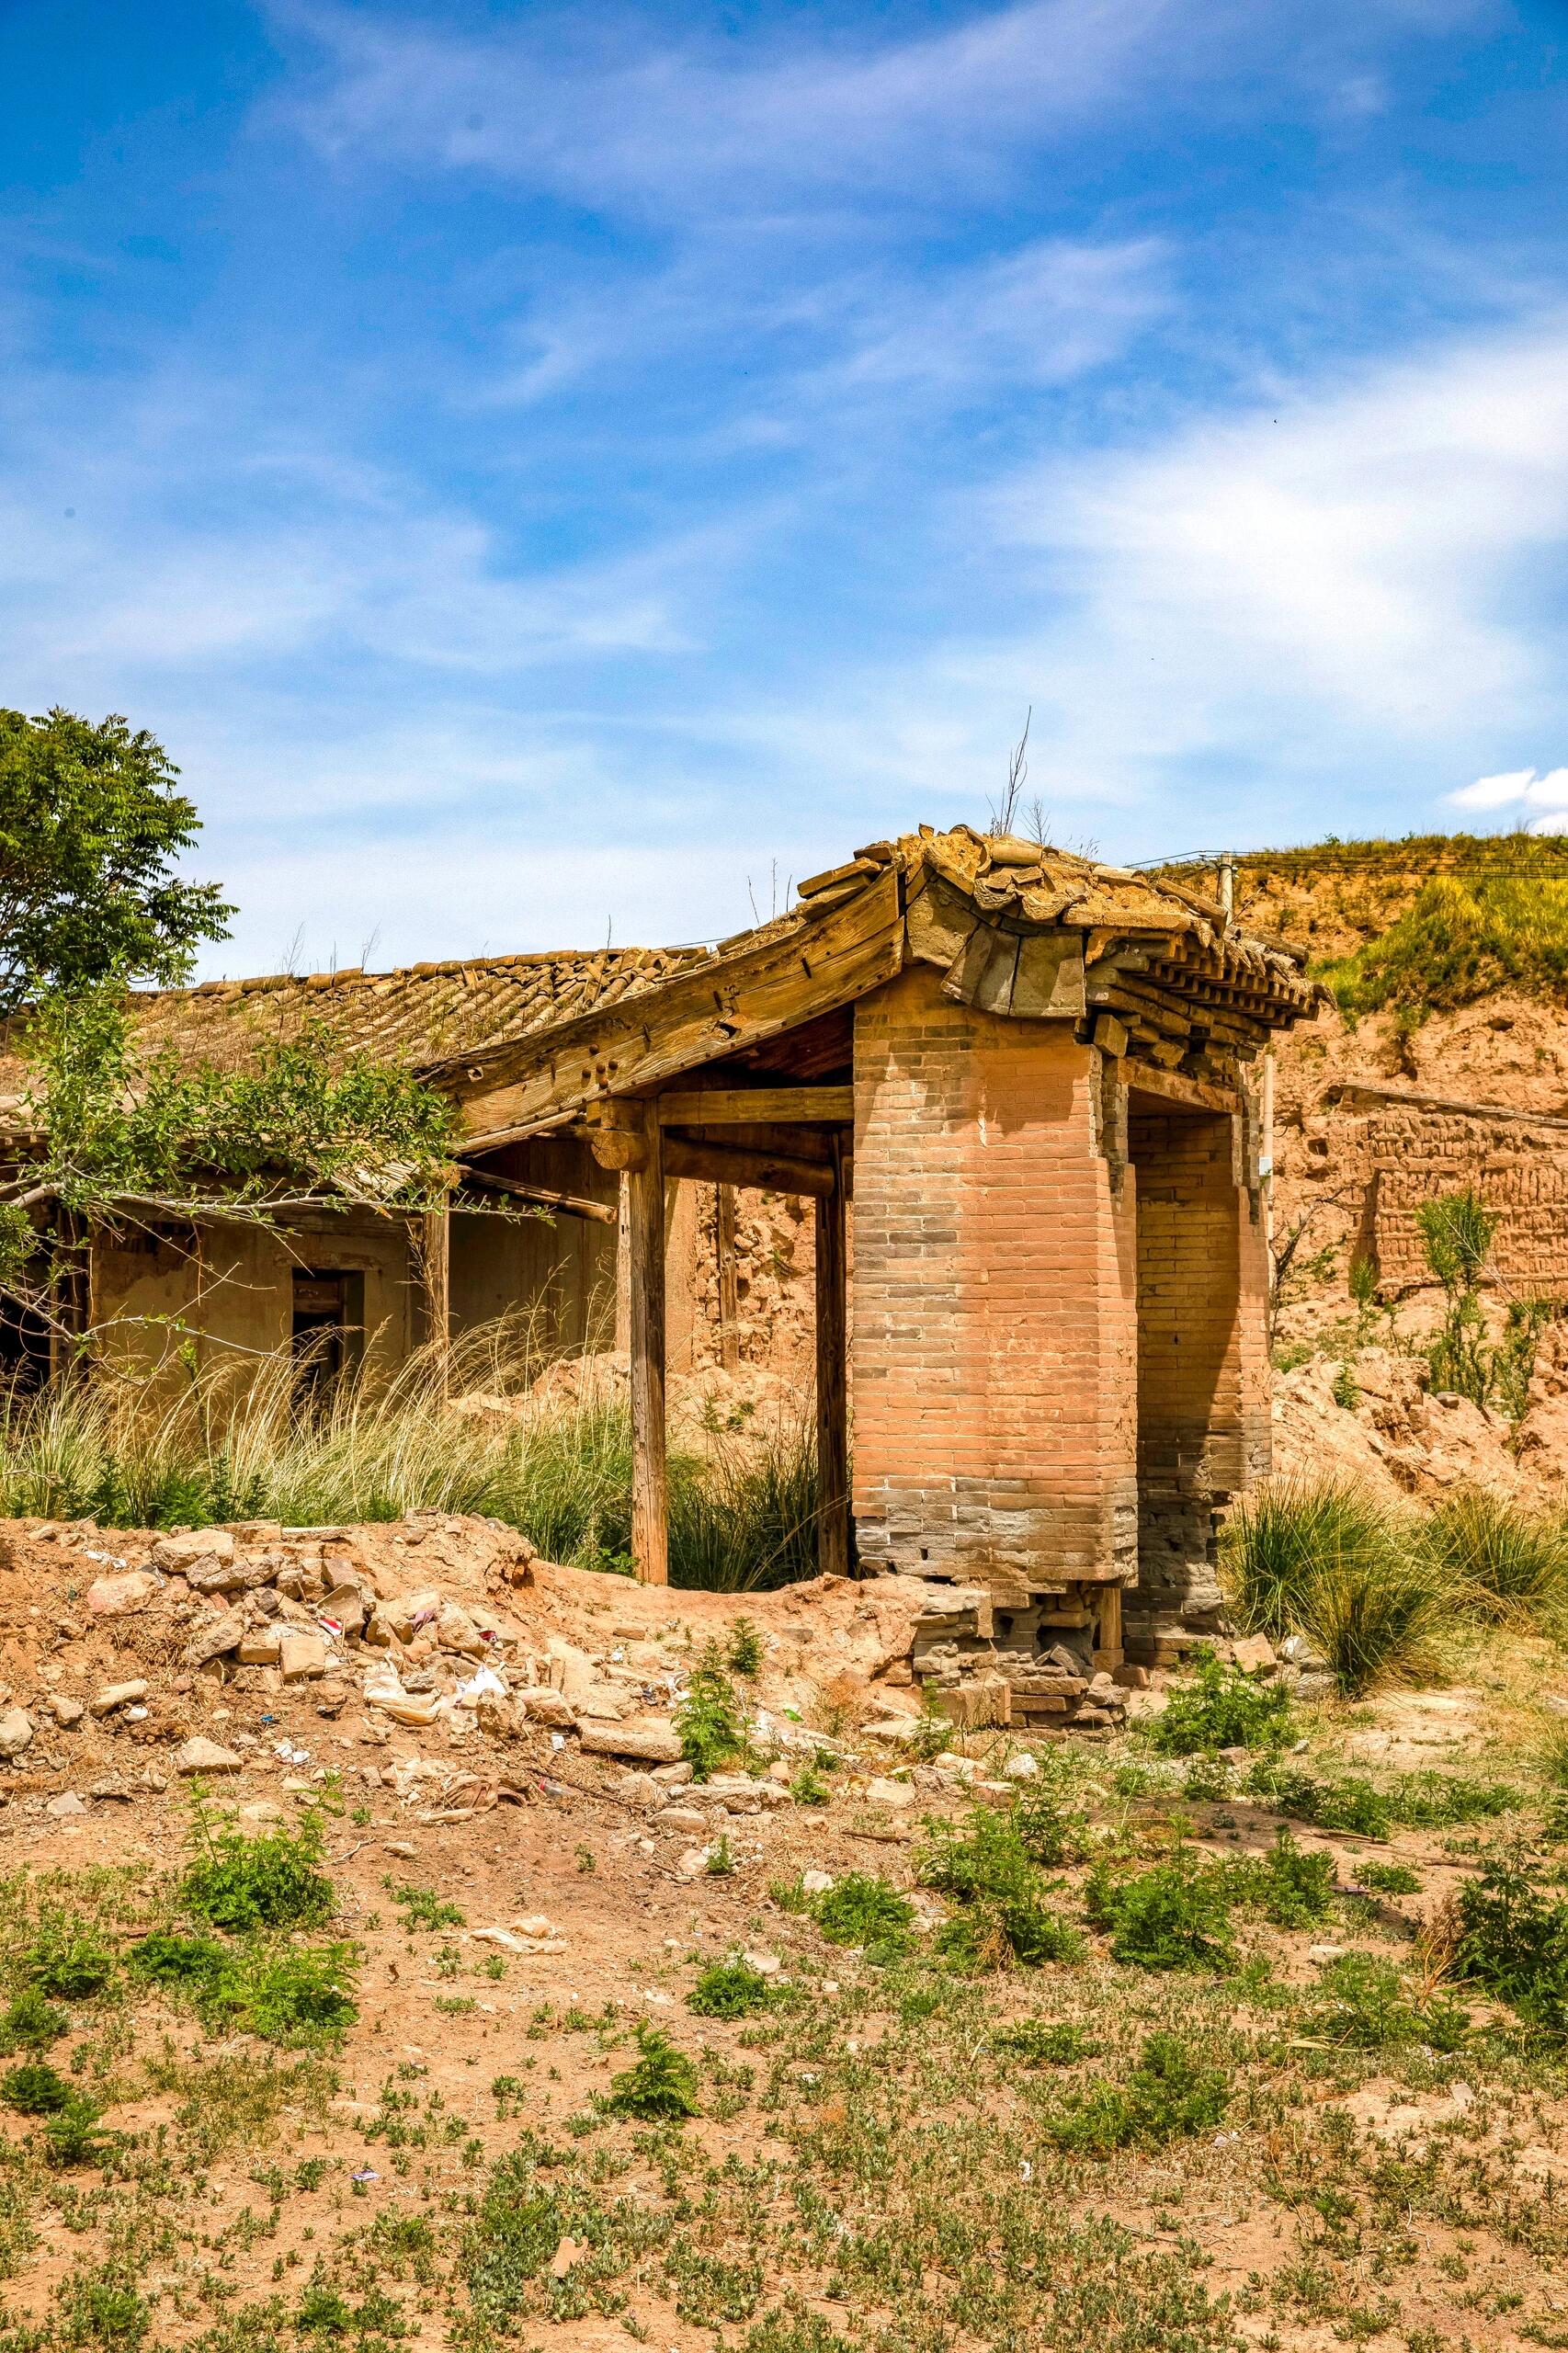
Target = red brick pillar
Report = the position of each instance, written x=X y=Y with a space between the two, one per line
x=994 y=1353
x=1203 y=1405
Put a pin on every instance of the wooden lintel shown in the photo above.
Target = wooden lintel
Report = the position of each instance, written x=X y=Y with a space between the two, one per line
x=547 y=1196
x=719 y=1106
x=768 y=1171
x=718 y=1007
x=1193 y=1093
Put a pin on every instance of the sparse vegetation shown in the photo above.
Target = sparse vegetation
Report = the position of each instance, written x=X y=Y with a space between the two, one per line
x=1221 y=1709
x=709 y=1717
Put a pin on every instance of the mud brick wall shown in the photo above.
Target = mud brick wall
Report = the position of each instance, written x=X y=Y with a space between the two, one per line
x=1520 y=1173
x=994 y=1357
x=1203 y=1404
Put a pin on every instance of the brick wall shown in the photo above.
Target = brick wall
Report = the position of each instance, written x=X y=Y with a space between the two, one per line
x=994 y=1369
x=1204 y=1414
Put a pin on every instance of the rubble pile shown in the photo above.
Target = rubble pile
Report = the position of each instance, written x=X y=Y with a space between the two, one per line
x=131 y=1659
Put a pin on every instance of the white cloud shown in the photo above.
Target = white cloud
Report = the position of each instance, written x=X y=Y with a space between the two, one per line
x=1517 y=785
x=1494 y=791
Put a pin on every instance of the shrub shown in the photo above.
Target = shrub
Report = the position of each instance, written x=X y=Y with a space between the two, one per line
x=1364 y=2004
x=659 y=2086
x=745 y=1654
x=709 y=1717
x=1168 y=2096
x=1223 y=1709
x=730 y=1989
x=70 y=2136
x=861 y=1910
x=1420 y=1801
x=35 y=2090
x=1175 y=1916
x=1501 y=1561
x=1513 y=1942
x=165 y=1958
x=288 y=1996
x=240 y=1884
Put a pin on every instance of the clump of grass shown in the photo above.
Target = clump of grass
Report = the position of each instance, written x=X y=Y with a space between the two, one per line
x=1388 y=1879
x=422 y=1908
x=1289 y=1886
x=1365 y=2003
x=709 y=1717
x=730 y=1989
x=1500 y=1560
x=1222 y=1708
x=660 y=2085
x=743 y=1517
x=1175 y=1916
x=1168 y=2096
x=1461 y=937
x=1329 y=1562
x=1424 y=1801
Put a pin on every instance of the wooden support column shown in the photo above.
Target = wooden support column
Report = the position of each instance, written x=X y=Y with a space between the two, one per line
x=645 y=1203
x=728 y=1277
x=833 y=1399
x=436 y=1277
x=71 y=1302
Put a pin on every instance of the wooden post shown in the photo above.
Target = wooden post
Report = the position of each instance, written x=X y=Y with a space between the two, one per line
x=436 y=1270
x=70 y=1304
x=623 y=1268
x=833 y=1413
x=729 y=1281
x=645 y=1203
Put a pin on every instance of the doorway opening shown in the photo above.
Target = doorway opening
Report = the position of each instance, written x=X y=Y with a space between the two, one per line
x=328 y=1328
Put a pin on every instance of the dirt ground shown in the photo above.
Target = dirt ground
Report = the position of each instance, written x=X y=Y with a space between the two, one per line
x=873 y=2160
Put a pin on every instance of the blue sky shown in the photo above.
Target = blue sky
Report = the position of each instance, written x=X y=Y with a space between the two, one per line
x=547 y=472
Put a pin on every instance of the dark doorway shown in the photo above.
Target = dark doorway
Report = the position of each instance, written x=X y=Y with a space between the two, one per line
x=328 y=1325
x=24 y=1345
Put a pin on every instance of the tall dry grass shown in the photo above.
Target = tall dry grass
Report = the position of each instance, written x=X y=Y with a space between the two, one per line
x=1377 y=1591
x=371 y=1447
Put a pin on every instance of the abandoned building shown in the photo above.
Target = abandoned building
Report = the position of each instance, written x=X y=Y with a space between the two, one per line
x=1022 y=1101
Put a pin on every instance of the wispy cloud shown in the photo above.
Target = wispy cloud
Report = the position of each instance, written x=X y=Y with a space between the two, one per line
x=669 y=123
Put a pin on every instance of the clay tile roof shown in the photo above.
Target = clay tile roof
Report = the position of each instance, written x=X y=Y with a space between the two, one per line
x=421 y=1013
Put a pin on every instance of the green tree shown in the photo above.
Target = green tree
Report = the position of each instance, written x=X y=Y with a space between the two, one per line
x=90 y=831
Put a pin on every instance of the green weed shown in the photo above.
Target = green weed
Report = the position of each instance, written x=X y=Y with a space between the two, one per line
x=661 y=2085
x=35 y=2090
x=1365 y=2003
x=239 y=1883
x=1223 y=1709
x=730 y=1989
x=1175 y=1915
x=709 y=1717
x=1168 y=2096
x=860 y=1910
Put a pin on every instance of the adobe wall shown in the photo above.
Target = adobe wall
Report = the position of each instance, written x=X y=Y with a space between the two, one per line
x=993 y=1350
x=1519 y=1172
x=232 y=1297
